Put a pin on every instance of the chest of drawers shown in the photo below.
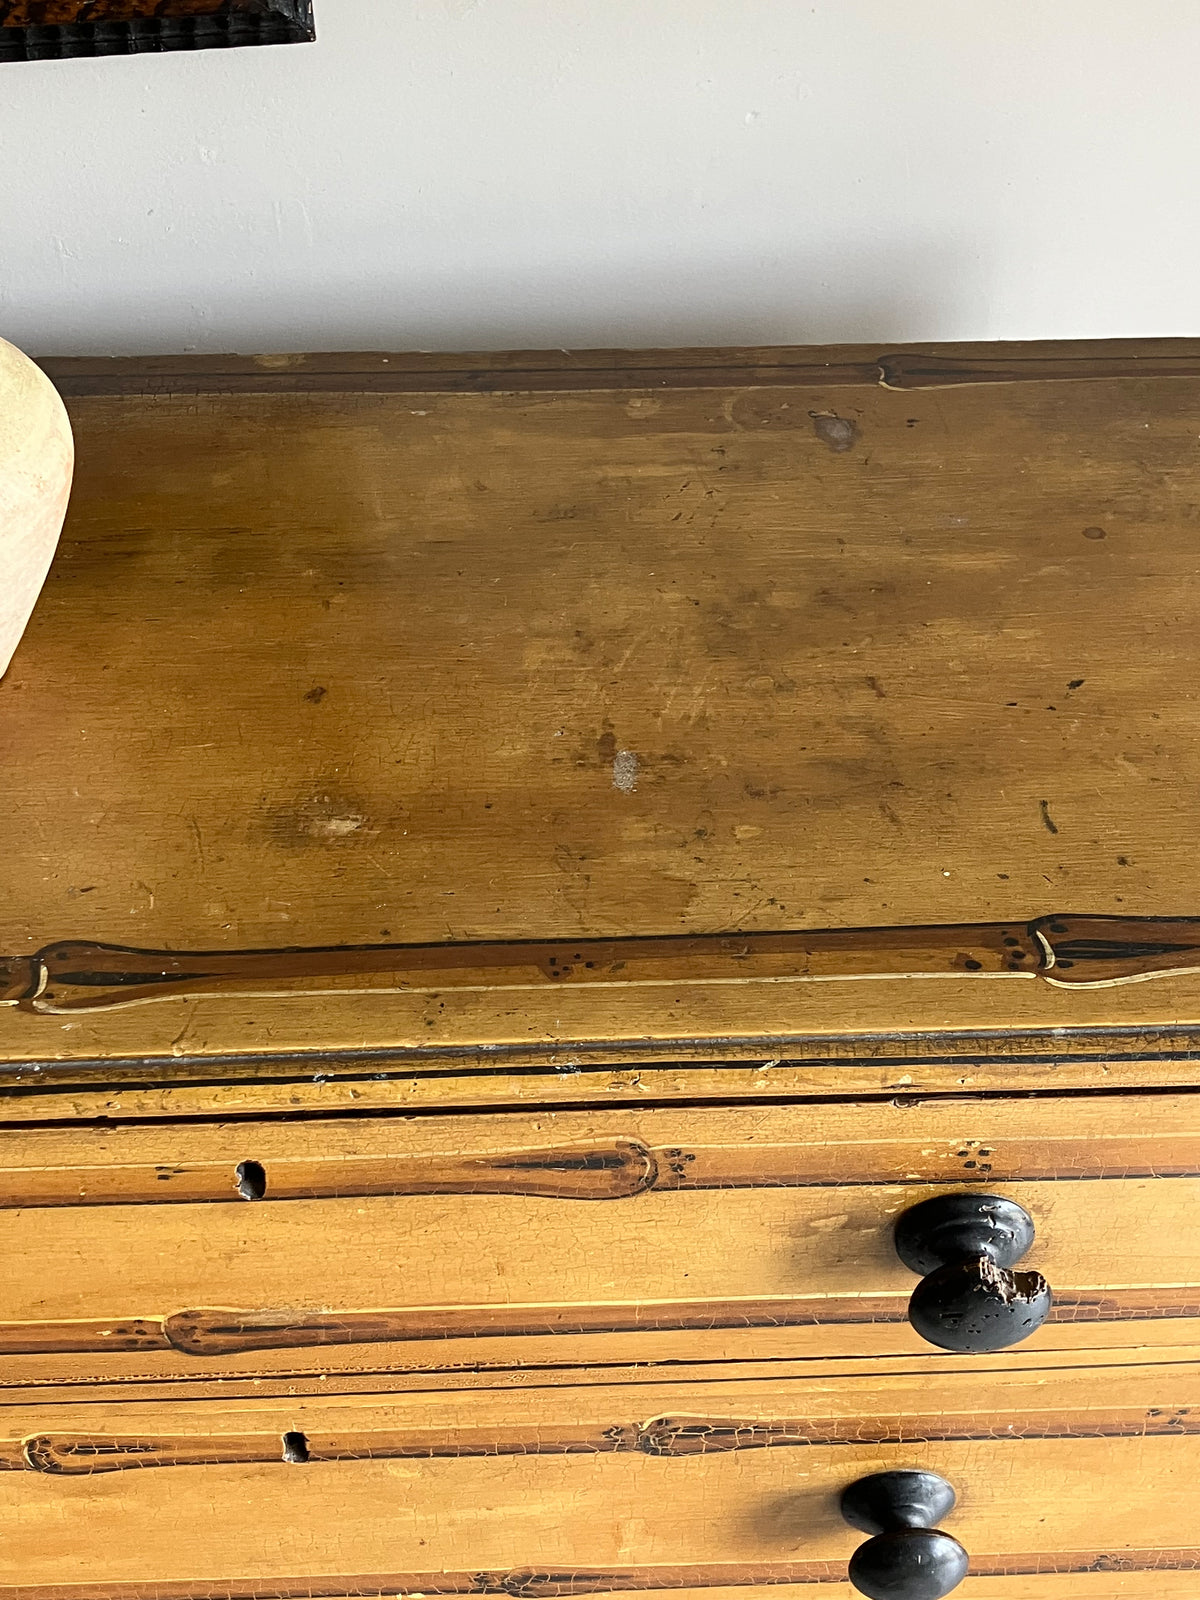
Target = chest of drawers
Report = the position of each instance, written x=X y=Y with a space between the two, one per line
x=519 y=873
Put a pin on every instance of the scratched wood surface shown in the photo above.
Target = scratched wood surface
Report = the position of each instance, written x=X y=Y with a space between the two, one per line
x=256 y=1249
x=1107 y=1578
x=532 y=648
x=48 y=1381
x=709 y=1485
x=1170 y=1577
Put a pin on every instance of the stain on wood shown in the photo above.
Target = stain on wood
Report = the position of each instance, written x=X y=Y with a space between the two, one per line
x=726 y=599
x=691 y=740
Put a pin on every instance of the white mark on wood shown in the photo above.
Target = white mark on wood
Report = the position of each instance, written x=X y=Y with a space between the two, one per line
x=625 y=771
x=839 y=433
x=335 y=827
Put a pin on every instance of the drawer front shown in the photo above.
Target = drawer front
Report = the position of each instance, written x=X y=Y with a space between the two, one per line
x=133 y=1250
x=1082 y=1477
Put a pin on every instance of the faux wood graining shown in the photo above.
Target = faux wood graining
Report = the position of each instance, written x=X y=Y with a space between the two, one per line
x=168 y=1249
x=617 y=1155
x=1066 y=951
x=1149 y=1575
x=1090 y=1575
x=742 y=1491
x=713 y=1418
x=213 y=1333
x=902 y=367
x=720 y=643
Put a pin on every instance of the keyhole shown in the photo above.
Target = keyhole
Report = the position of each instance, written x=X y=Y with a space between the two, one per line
x=252 y=1181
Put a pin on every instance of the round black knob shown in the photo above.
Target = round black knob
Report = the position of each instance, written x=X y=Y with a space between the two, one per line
x=969 y=1299
x=908 y=1558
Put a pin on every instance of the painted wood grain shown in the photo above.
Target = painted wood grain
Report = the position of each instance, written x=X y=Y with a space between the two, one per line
x=49 y=1379
x=588 y=651
x=342 y=660
x=1160 y=1575
x=717 y=1071
x=593 y=1521
x=618 y=1155
x=596 y=1228
x=1027 y=361
x=968 y=1139
x=1066 y=951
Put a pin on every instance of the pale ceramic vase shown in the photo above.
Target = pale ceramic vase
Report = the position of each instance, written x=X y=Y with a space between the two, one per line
x=37 y=457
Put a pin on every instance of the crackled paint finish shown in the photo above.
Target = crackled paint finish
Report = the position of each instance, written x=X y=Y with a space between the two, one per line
x=37 y=457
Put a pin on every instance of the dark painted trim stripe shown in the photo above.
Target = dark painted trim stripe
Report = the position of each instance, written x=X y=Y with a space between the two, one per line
x=211 y=1332
x=84 y=1455
x=590 y=370
x=541 y=1583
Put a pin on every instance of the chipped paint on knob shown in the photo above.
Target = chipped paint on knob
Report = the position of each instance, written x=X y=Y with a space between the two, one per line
x=37 y=457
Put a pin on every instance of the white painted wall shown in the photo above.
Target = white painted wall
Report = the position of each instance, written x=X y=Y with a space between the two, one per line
x=451 y=174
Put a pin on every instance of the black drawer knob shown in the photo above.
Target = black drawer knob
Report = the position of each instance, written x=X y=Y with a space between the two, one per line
x=965 y=1246
x=909 y=1558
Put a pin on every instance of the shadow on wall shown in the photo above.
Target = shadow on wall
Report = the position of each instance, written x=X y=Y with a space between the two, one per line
x=644 y=295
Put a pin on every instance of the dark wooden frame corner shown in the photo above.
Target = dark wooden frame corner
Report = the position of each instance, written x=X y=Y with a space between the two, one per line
x=54 y=30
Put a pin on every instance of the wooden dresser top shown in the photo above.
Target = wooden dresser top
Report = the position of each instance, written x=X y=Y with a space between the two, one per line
x=345 y=649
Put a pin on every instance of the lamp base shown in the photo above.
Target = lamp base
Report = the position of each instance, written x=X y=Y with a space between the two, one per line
x=37 y=458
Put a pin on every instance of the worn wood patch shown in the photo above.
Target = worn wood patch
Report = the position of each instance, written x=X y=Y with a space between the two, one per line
x=763 y=644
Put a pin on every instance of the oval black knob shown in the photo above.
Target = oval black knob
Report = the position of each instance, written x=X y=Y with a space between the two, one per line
x=909 y=1558
x=969 y=1299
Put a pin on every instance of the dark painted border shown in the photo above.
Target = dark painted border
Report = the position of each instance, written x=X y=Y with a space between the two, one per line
x=564 y=371
x=576 y=1061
